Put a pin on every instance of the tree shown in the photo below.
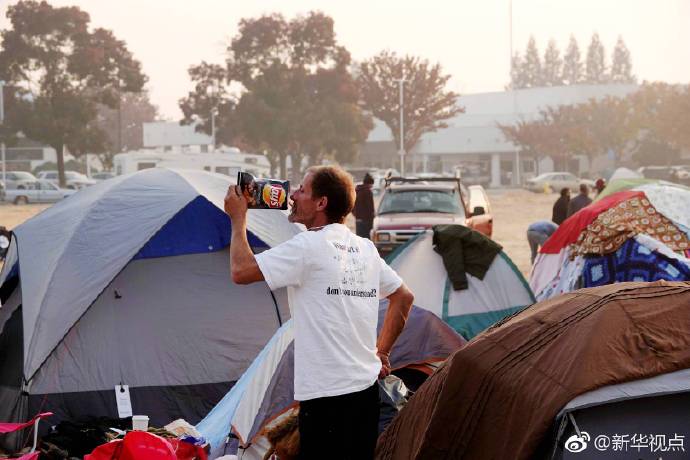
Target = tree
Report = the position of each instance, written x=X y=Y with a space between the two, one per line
x=552 y=68
x=595 y=68
x=533 y=137
x=124 y=125
x=517 y=73
x=651 y=151
x=62 y=71
x=662 y=112
x=652 y=123
x=297 y=98
x=592 y=129
x=572 y=64
x=621 y=64
x=211 y=94
x=427 y=104
x=532 y=67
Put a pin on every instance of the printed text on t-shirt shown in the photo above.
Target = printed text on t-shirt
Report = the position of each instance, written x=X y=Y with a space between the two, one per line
x=351 y=292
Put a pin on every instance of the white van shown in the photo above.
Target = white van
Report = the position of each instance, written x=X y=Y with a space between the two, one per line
x=223 y=162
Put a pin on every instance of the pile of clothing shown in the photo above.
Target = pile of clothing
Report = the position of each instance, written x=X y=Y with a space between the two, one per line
x=637 y=234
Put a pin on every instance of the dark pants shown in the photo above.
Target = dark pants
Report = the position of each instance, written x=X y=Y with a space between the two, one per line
x=340 y=427
x=363 y=227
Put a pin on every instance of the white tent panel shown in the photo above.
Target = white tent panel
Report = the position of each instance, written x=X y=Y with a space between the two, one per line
x=79 y=243
x=245 y=415
x=500 y=289
x=422 y=270
x=125 y=336
x=74 y=249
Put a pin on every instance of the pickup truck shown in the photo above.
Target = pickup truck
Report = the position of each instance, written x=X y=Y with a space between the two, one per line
x=410 y=206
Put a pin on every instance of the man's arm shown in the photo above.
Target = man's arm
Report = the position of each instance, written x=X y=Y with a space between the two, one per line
x=243 y=266
x=399 y=305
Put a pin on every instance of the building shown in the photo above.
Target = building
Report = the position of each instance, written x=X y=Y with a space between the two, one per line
x=27 y=155
x=473 y=141
x=174 y=137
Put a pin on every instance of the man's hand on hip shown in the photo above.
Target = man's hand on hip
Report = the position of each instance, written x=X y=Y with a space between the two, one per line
x=385 y=365
x=235 y=203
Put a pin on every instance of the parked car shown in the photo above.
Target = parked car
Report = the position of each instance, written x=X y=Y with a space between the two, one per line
x=18 y=179
x=101 y=176
x=74 y=179
x=410 y=206
x=555 y=181
x=678 y=174
x=40 y=191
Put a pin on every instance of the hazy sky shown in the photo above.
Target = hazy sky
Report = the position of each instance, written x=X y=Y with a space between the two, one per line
x=469 y=38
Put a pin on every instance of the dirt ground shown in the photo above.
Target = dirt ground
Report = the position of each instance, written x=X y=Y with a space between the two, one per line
x=513 y=211
x=12 y=215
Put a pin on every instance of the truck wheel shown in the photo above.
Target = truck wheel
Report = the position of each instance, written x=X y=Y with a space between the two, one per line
x=21 y=200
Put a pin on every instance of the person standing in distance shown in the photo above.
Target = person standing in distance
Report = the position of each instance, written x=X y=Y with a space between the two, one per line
x=334 y=280
x=580 y=201
x=560 y=207
x=364 y=207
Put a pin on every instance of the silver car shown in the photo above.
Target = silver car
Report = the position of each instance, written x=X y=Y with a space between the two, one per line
x=40 y=191
x=18 y=179
x=101 y=176
x=74 y=179
x=555 y=181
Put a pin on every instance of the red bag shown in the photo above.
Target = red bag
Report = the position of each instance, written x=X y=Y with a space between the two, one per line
x=136 y=445
x=139 y=445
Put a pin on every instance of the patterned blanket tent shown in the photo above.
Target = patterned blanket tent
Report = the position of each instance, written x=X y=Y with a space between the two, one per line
x=641 y=232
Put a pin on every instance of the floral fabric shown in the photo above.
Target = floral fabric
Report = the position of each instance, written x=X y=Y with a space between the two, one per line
x=612 y=228
x=671 y=201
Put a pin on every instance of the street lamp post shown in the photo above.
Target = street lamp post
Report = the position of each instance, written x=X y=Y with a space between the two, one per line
x=517 y=148
x=2 y=121
x=213 y=129
x=401 y=152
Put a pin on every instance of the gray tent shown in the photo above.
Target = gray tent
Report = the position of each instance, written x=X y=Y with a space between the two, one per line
x=642 y=419
x=127 y=282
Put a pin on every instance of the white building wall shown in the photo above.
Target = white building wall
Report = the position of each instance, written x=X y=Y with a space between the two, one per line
x=476 y=133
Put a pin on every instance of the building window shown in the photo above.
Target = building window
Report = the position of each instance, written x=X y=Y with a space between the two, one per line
x=528 y=166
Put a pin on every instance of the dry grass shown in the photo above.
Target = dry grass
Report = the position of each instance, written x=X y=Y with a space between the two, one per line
x=513 y=211
x=12 y=215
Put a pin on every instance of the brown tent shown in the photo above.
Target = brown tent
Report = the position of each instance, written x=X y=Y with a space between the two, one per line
x=497 y=397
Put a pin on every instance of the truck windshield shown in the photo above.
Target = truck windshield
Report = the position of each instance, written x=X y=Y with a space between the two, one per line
x=409 y=201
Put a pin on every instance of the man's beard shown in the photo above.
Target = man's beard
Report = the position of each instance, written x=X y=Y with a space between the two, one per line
x=293 y=214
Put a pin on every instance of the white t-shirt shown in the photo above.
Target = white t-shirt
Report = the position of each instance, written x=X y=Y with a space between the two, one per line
x=334 y=280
